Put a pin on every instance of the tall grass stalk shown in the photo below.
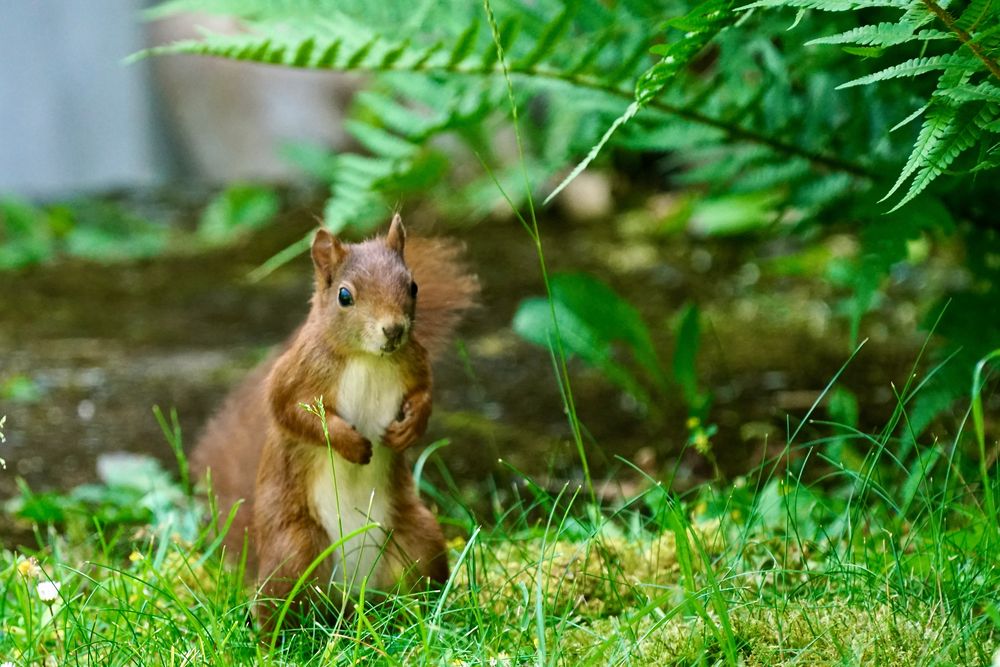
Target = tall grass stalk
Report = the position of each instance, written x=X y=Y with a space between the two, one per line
x=536 y=237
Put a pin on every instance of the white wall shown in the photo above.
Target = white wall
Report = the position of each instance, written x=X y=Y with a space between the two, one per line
x=72 y=116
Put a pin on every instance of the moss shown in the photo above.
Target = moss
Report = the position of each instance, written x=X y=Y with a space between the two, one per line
x=831 y=632
x=622 y=600
x=597 y=578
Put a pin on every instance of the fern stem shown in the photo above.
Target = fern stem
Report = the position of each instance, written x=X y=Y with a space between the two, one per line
x=739 y=132
x=734 y=131
x=963 y=36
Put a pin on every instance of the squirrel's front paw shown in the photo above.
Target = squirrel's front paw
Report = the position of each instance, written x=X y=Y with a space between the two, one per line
x=410 y=424
x=400 y=434
x=355 y=448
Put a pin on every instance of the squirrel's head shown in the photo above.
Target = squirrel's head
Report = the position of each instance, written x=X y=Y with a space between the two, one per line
x=365 y=295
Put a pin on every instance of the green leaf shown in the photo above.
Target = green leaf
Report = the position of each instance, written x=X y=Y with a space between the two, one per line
x=934 y=161
x=882 y=34
x=916 y=67
x=236 y=211
x=984 y=92
x=548 y=40
x=827 y=5
x=20 y=389
x=734 y=213
x=465 y=44
x=686 y=357
x=938 y=124
x=378 y=141
x=592 y=319
x=25 y=234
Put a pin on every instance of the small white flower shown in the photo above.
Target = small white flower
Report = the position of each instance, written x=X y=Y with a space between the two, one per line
x=7 y=664
x=996 y=658
x=48 y=591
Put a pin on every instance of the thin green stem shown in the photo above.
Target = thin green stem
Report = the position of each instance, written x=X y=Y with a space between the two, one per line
x=536 y=237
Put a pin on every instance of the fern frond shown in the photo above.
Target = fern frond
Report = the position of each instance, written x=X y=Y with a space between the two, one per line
x=945 y=152
x=909 y=119
x=882 y=34
x=916 y=67
x=701 y=25
x=590 y=55
x=306 y=53
x=549 y=37
x=976 y=13
x=937 y=125
x=465 y=44
x=378 y=141
x=974 y=45
x=827 y=5
x=509 y=31
x=984 y=92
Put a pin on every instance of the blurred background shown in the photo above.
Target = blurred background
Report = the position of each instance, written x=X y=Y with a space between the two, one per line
x=77 y=118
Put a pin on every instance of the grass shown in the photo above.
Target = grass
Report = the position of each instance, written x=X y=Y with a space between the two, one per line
x=803 y=561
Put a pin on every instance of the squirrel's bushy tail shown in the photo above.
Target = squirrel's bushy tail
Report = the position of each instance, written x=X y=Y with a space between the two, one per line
x=447 y=289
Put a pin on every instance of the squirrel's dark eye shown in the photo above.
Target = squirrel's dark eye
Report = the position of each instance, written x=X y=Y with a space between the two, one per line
x=345 y=297
x=413 y=289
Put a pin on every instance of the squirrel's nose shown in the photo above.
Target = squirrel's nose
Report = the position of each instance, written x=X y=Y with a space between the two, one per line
x=393 y=334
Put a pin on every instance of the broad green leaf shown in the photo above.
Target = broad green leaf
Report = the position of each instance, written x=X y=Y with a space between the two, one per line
x=237 y=210
x=592 y=318
x=686 y=357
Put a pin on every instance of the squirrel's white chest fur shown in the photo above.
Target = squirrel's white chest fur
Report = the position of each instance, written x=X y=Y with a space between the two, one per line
x=370 y=394
x=346 y=496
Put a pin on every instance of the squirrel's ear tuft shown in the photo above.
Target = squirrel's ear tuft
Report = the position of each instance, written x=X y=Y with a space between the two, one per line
x=327 y=251
x=396 y=238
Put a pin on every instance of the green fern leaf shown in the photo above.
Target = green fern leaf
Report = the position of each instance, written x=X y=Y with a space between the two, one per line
x=393 y=55
x=465 y=45
x=937 y=125
x=916 y=67
x=329 y=56
x=703 y=22
x=589 y=56
x=993 y=126
x=827 y=5
x=882 y=34
x=909 y=119
x=378 y=141
x=303 y=54
x=396 y=117
x=508 y=32
x=548 y=40
x=421 y=60
x=944 y=153
x=975 y=13
x=917 y=15
x=631 y=60
x=359 y=55
x=984 y=92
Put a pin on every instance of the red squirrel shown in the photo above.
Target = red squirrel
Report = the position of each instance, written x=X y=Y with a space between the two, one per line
x=380 y=310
